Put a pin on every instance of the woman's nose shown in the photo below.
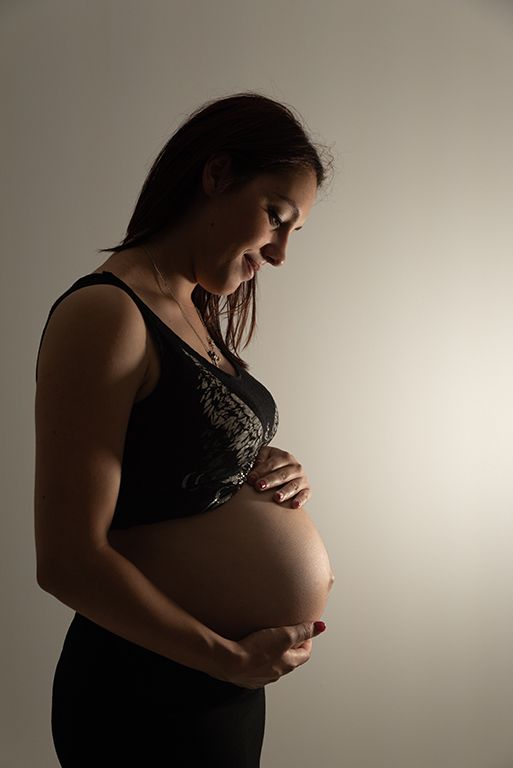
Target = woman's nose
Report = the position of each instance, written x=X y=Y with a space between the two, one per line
x=276 y=252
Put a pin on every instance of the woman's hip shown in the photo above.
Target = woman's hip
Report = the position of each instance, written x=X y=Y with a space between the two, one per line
x=114 y=700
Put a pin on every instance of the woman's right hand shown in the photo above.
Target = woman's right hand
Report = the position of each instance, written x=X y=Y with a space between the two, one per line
x=266 y=655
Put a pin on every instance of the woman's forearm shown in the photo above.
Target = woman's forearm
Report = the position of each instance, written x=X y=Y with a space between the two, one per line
x=111 y=591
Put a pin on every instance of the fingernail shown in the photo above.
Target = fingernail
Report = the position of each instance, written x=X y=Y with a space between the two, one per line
x=319 y=626
x=262 y=484
x=252 y=477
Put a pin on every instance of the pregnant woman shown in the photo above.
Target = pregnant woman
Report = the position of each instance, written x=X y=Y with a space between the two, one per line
x=192 y=586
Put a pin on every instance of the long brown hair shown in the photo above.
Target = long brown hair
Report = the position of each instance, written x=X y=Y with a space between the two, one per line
x=261 y=136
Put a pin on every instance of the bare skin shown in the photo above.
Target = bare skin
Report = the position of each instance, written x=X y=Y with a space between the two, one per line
x=245 y=565
x=276 y=584
x=108 y=362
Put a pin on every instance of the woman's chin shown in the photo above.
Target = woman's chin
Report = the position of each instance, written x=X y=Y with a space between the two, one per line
x=222 y=289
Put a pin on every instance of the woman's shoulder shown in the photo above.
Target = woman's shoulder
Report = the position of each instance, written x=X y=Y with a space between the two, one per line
x=92 y=319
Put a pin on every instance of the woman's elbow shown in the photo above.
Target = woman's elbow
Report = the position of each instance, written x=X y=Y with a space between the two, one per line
x=44 y=576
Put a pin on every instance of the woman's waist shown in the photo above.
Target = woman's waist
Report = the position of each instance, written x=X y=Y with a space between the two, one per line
x=100 y=662
x=151 y=503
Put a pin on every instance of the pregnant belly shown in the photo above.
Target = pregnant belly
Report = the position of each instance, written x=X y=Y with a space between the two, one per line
x=248 y=564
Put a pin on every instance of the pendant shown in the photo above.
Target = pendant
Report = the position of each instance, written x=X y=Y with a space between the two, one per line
x=215 y=358
x=212 y=352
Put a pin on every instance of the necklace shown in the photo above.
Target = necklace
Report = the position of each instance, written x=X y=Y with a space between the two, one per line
x=211 y=349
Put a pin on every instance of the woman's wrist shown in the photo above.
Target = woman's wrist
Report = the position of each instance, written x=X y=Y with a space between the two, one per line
x=222 y=657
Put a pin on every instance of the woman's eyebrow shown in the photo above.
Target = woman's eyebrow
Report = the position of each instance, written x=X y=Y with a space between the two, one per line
x=293 y=206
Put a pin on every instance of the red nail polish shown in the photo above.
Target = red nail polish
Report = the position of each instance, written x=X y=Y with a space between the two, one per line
x=319 y=626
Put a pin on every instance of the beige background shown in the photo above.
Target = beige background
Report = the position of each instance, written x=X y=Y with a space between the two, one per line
x=387 y=339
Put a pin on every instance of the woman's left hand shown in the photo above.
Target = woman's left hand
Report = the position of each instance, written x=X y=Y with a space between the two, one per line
x=280 y=470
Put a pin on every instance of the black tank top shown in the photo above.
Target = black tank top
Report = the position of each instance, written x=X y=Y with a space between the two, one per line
x=191 y=443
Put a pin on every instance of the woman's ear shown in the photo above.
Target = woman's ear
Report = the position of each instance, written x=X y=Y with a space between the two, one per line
x=217 y=173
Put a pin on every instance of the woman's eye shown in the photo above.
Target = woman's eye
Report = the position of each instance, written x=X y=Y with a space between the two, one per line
x=274 y=218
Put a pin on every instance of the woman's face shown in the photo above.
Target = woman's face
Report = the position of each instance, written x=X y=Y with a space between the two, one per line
x=253 y=223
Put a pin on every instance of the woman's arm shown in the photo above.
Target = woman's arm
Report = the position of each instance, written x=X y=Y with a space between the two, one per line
x=92 y=363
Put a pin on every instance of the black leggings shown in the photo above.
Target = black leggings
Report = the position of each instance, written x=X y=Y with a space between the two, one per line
x=115 y=703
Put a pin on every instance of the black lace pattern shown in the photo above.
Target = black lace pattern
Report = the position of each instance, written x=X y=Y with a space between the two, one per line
x=230 y=441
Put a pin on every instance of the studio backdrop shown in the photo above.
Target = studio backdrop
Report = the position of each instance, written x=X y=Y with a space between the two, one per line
x=386 y=338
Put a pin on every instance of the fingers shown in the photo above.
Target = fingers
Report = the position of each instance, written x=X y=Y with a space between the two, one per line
x=279 y=469
x=296 y=657
x=299 y=634
x=267 y=655
x=295 y=492
x=271 y=460
x=299 y=653
x=306 y=644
